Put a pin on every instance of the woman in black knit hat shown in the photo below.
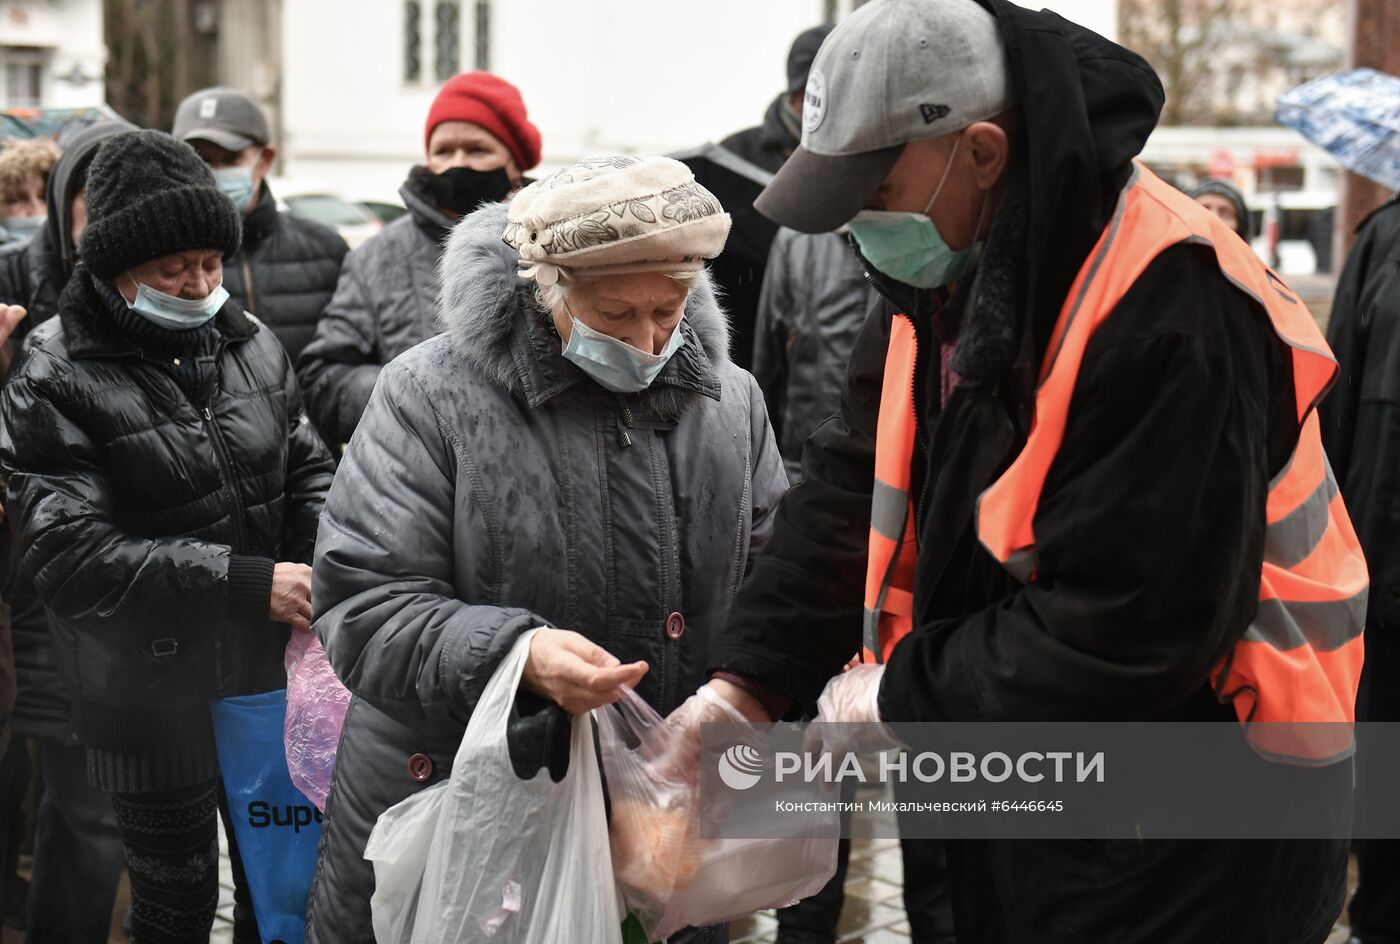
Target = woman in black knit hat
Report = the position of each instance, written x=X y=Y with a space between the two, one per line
x=167 y=488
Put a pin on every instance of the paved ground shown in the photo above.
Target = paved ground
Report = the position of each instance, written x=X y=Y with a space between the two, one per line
x=874 y=912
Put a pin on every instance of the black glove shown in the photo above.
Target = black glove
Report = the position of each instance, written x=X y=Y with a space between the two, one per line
x=537 y=736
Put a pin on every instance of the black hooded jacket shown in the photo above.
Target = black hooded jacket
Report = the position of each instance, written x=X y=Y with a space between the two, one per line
x=767 y=145
x=1150 y=527
x=33 y=274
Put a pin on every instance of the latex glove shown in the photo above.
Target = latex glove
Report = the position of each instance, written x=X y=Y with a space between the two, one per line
x=852 y=696
x=680 y=761
x=848 y=714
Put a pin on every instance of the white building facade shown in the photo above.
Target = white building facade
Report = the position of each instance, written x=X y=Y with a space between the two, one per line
x=52 y=54
x=598 y=76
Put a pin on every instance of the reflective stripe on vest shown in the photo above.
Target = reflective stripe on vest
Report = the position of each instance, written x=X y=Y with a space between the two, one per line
x=1300 y=659
x=894 y=548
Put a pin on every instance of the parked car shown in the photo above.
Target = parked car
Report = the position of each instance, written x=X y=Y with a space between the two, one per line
x=354 y=222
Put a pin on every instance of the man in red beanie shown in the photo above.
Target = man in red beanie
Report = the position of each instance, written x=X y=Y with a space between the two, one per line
x=478 y=142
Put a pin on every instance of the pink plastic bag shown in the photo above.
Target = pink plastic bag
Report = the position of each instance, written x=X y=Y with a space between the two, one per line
x=316 y=705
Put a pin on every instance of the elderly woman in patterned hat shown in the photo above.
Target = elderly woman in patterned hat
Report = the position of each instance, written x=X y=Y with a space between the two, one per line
x=575 y=452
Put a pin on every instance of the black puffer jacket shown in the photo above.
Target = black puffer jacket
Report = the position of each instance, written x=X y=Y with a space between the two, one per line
x=1149 y=529
x=33 y=275
x=151 y=519
x=385 y=303
x=814 y=302
x=286 y=272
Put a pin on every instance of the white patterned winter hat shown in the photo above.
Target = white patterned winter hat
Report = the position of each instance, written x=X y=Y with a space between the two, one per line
x=612 y=215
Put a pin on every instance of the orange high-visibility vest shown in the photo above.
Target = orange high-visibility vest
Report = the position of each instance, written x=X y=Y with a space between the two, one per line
x=1300 y=659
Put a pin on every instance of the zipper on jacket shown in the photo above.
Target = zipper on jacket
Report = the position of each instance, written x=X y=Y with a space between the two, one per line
x=226 y=470
x=624 y=439
x=248 y=286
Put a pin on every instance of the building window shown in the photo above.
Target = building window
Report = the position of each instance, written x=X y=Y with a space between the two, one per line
x=483 y=35
x=24 y=76
x=412 y=41
x=447 y=24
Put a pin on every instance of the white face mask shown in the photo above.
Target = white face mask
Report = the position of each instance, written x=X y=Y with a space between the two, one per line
x=615 y=364
x=174 y=313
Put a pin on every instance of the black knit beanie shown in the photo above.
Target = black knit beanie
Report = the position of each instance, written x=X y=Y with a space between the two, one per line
x=149 y=195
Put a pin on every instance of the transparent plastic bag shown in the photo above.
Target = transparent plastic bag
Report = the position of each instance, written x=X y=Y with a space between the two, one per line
x=316 y=706
x=510 y=861
x=669 y=875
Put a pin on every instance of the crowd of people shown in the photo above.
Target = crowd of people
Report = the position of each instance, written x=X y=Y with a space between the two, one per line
x=1023 y=437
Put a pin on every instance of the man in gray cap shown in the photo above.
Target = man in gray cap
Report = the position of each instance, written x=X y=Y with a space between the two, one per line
x=287 y=270
x=1048 y=492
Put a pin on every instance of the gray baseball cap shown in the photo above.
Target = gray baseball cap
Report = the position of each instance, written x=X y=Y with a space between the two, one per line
x=892 y=72
x=224 y=116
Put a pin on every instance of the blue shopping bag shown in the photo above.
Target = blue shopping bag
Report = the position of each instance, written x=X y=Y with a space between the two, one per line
x=277 y=828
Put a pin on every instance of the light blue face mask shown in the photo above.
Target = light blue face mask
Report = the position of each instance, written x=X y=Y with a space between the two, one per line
x=174 y=313
x=614 y=364
x=907 y=247
x=237 y=184
x=24 y=227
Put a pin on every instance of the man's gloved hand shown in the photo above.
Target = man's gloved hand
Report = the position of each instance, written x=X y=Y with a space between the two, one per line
x=852 y=696
x=715 y=701
x=848 y=714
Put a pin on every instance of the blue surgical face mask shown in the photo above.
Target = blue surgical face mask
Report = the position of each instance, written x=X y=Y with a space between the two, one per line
x=907 y=247
x=237 y=184
x=174 y=313
x=24 y=227
x=614 y=364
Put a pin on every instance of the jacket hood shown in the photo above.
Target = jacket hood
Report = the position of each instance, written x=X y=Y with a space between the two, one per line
x=494 y=319
x=69 y=175
x=1086 y=107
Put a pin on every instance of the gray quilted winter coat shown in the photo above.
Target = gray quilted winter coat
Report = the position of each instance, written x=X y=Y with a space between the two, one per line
x=492 y=487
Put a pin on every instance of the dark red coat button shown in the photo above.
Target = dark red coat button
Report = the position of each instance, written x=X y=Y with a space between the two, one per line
x=675 y=626
x=420 y=767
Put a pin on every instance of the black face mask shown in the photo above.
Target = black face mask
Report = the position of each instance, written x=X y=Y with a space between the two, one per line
x=461 y=190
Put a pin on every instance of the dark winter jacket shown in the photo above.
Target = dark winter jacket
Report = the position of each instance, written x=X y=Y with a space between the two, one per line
x=494 y=488
x=33 y=275
x=1150 y=527
x=286 y=272
x=384 y=304
x=814 y=302
x=151 y=518
x=770 y=144
x=1361 y=417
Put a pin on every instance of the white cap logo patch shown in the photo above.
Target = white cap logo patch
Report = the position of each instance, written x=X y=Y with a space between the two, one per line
x=814 y=101
x=208 y=106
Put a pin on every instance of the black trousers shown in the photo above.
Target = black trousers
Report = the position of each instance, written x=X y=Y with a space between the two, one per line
x=927 y=902
x=172 y=857
x=1375 y=909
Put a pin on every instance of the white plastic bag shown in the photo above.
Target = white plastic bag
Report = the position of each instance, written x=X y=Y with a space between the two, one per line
x=398 y=848
x=669 y=875
x=510 y=861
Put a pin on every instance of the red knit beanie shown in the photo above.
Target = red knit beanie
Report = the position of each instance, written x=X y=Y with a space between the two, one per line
x=494 y=104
